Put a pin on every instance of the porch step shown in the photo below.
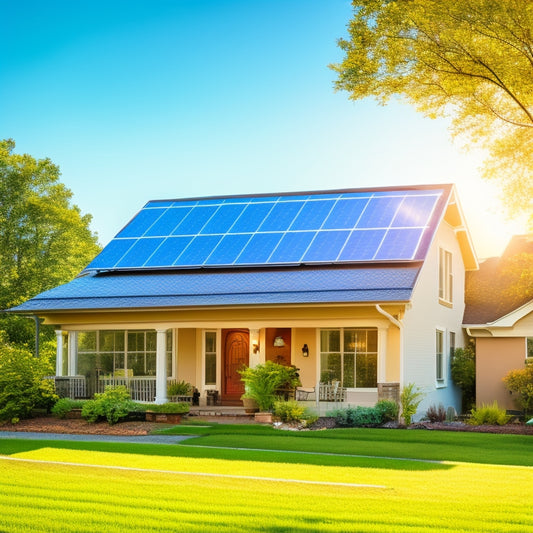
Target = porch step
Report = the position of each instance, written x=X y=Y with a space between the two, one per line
x=222 y=413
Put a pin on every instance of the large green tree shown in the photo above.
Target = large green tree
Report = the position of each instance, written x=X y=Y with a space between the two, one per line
x=471 y=60
x=44 y=239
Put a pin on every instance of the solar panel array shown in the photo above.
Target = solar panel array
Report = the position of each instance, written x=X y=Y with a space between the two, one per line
x=277 y=230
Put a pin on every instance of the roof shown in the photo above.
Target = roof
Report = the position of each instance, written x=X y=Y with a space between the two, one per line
x=200 y=288
x=494 y=290
x=357 y=245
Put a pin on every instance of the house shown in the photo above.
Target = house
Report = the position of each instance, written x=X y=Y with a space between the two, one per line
x=499 y=315
x=364 y=287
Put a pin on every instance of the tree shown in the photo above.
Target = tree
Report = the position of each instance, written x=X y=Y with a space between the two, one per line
x=463 y=372
x=521 y=382
x=468 y=59
x=44 y=240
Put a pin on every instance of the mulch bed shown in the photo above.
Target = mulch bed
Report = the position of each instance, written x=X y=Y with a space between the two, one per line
x=80 y=426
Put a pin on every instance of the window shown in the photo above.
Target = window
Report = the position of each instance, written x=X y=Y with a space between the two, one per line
x=210 y=357
x=439 y=356
x=451 y=346
x=529 y=350
x=120 y=353
x=349 y=356
x=445 y=276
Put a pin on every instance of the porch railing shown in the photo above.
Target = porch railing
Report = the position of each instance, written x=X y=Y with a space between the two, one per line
x=142 y=389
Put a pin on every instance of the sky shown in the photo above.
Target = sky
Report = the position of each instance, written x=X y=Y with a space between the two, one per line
x=138 y=100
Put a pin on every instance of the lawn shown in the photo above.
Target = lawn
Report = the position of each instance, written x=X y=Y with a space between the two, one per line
x=201 y=486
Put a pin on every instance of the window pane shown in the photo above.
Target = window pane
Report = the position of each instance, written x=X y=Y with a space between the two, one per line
x=349 y=370
x=349 y=340
x=330 y=341
x=210 y=368
x=330 y=367
x=150 y=364
x=151 y=341
x=367 y=370
x=87 y=341
x=529 y=347
x=210 y=341
x=372 y=340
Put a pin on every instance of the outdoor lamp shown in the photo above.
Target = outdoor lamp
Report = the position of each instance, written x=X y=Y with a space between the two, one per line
x=305 y=350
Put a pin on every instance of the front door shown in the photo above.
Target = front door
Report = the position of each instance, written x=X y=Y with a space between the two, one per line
x=235 y=343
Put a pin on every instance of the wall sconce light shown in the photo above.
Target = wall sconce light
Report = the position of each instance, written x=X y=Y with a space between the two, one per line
x=255 y=346
x=279 y=342
x=305 y=350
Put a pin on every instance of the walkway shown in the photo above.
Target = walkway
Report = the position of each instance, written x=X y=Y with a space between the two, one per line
x=137 y=439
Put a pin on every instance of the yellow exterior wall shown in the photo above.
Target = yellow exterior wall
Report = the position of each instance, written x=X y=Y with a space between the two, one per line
x=307 y=365
x=495 y=357
x=186 y=356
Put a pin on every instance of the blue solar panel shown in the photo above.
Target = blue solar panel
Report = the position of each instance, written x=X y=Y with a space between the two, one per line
x=350 y=226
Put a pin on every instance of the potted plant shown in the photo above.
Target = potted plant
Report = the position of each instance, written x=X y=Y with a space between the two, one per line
x=167 y=412
x=262 y=384
x=250 y=404
x=180 y=391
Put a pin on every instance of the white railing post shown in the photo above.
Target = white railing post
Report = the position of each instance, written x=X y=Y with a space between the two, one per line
x=161 y=367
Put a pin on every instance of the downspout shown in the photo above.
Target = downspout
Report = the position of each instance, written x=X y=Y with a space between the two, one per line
x=399 y=325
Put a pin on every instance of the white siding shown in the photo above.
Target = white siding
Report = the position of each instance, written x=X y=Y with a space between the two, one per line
x=425 y=316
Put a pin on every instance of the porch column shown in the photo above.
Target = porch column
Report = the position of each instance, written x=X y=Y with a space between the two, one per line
x=161 y=367
x=59 y=353
x=382 y=355
x=72 y=353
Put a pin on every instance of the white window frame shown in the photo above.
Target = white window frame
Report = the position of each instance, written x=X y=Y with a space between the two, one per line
x=529 y=346
x=445 y=277
x=215 y=385
x=440 y=358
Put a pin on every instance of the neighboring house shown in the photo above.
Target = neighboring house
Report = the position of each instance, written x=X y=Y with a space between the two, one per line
x=363 y=286
x=499 y=315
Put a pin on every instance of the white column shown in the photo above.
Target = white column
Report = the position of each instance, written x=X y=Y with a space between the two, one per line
x=72 y=353
x=161 y=367
x=59 y=353
x=382 y=355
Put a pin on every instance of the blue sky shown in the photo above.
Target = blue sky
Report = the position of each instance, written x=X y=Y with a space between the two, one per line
x=138 y=100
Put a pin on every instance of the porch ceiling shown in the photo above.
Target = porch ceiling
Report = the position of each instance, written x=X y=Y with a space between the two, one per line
x=134 y=290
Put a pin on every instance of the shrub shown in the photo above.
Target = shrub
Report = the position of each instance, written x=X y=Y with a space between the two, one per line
x=179 y=388
x=169 y=408
x=388 y=409
x=22 y=386
x=263 y=381
x=463 y=372
x=410 y=398
x=113 y=404
x=521 y=382
x=436 y=414
x=489 y=415
x=358 y=417
x=289 y=411
x=65 y=405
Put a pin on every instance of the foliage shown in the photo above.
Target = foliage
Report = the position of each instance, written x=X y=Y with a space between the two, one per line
x=44 y=240
x=113 y=404
x=436 y=414
x=360 y=416
x=22 y=387
x=263 y=382
x=489 y=415
x=410 y=399
x=463 y=372
x=65 y=405
x=179 y=388
x=521 y=382
x=472 y=60
x=388 y=410
x=289 y=411
x=170 y=408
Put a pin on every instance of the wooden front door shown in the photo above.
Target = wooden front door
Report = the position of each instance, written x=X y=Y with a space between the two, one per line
x=235 y=344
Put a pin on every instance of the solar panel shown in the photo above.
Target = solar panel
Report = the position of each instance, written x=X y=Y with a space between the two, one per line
x=315 y=228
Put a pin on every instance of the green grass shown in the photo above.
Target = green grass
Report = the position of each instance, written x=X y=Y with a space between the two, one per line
x=193 y=488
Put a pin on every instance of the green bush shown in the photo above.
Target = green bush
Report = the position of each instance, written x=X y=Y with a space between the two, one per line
x=263 y=382
x=169 y=408
x=365 y=416
x=113 y=404
x=388 y=410
x=410 y=398
x=521 y=383
x=489 y=415
x=289 y=411
x=65 y=405
x=179 y=388
x=22 y=387
x=463 y=372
